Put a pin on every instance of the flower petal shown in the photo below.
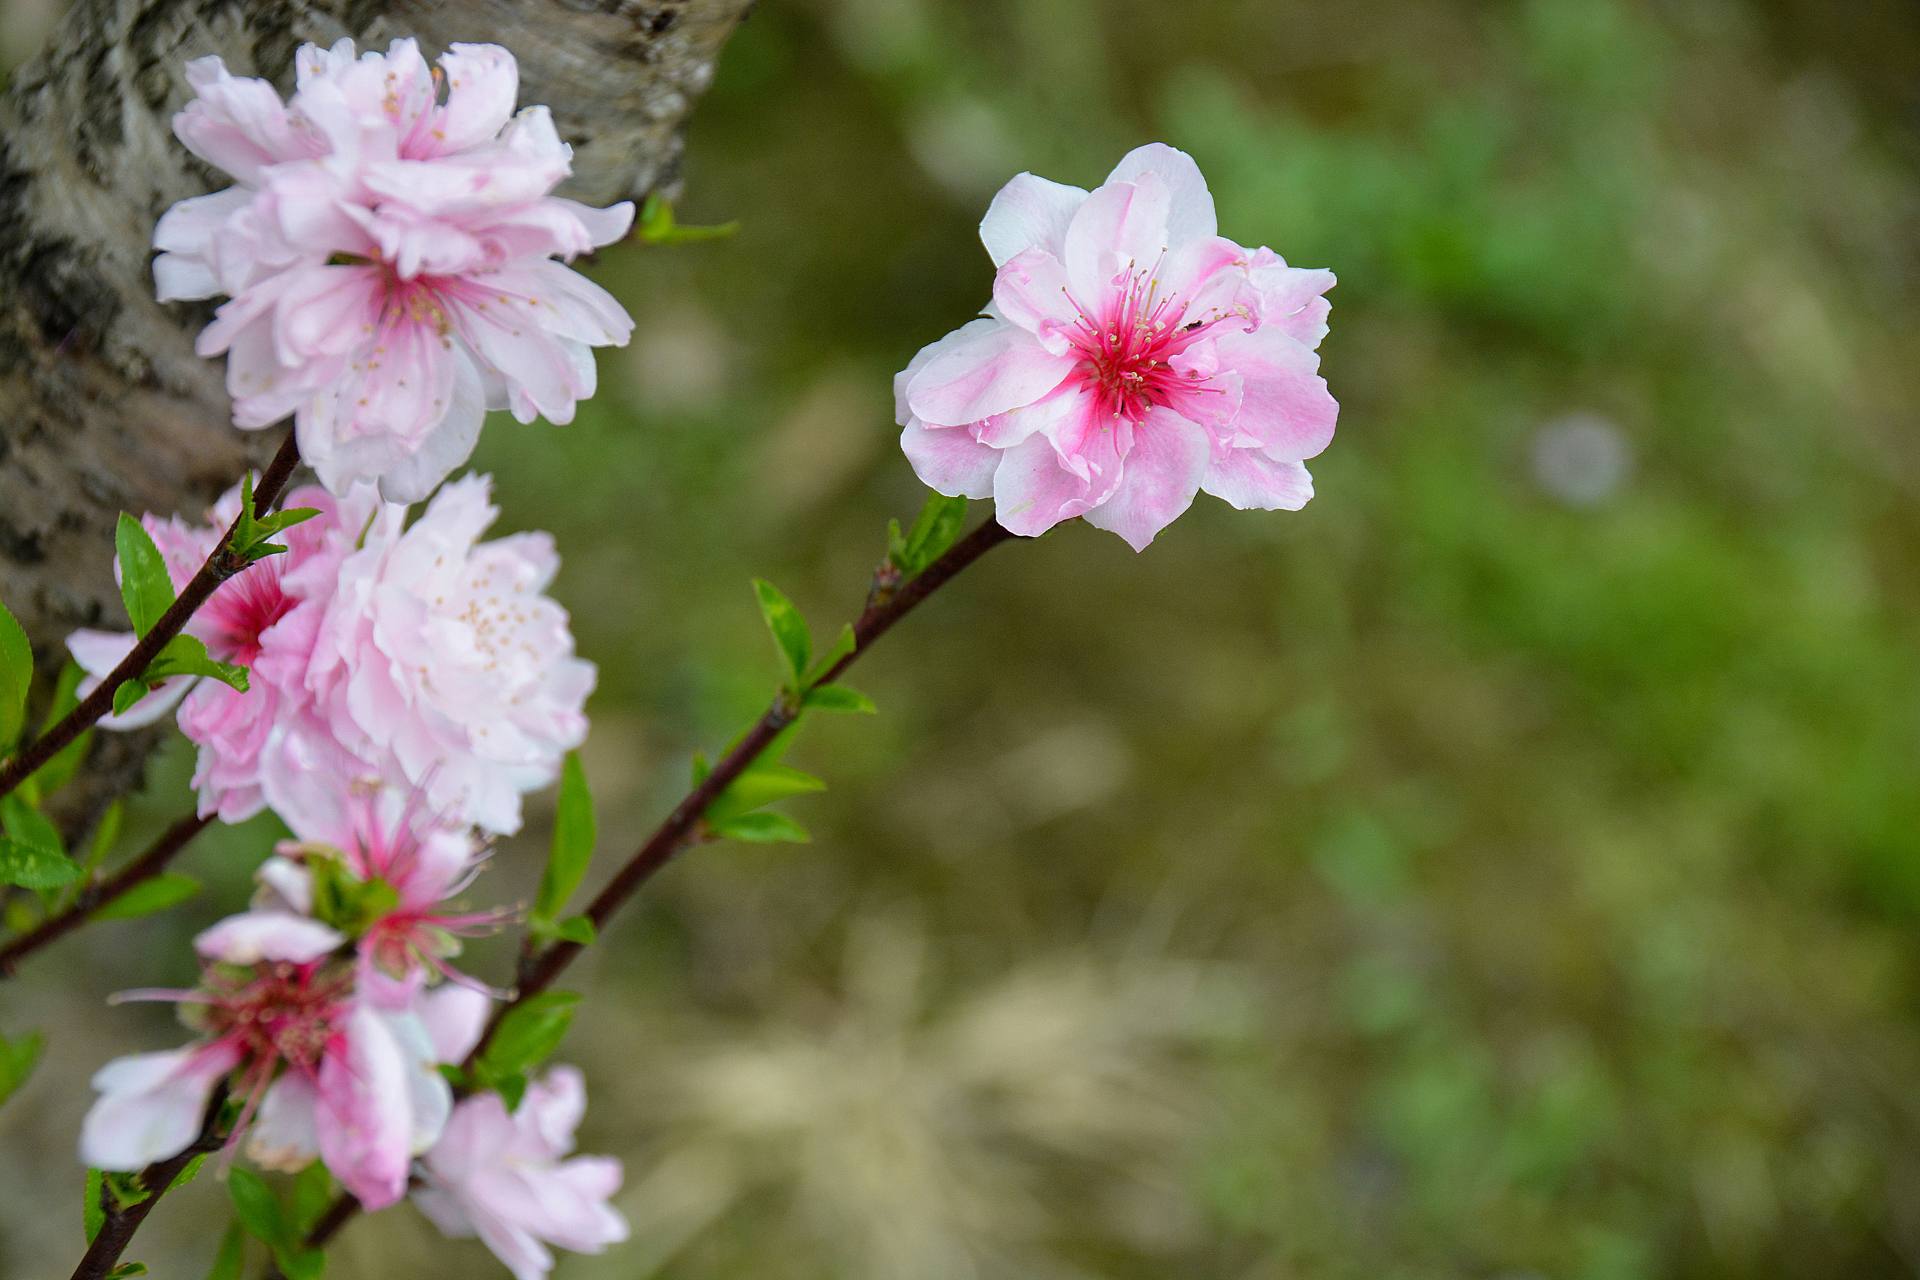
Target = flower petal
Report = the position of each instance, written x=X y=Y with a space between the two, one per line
x=151 y=1105
x=1190 y=212
x=1028 y=213
x=254 y=937
x=1163 y=472
x=976 y=372
x=1122 y=226
x=949 y=460
x=1251 y=481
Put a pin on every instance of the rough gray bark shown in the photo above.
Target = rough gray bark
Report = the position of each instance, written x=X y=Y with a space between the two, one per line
x=103 y=405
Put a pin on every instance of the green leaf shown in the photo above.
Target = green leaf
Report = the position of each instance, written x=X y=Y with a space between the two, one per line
x=763 y=828
x=17 y=1061
x=190 y=1172
x=127 y=1190
x=258 y=1208
x=59 y=771
x=657 y=225
x=838 y=697
x=127 y=1270
x=128 y=694
x=33 y=867
x=144 y=584
x=300 y=1264
x=313 y=1191
x=788 y=628
x=843 y=644
x=762 y=784
x=16 y=677
x=105 y=835
x=93 y=1210
x=527 y=1034
x=28 y=825
x=936 y=529
x=230 y=1263
x=576 y=929
x=702 y=768
x=574 y=832
x=168 y=889
x=512 y=1089
x=188 y=656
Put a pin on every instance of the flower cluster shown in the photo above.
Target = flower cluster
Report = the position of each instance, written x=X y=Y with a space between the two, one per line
x=317 y=1006
x=1131 y=358
x=415 y=655
x=389 y=256
x=392 y=257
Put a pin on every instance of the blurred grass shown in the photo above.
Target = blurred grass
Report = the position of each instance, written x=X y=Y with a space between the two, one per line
x=1508 y=866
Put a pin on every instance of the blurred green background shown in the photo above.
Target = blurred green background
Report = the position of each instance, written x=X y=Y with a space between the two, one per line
x=1507 y=867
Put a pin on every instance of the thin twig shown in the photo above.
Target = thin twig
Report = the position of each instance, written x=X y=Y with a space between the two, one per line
x=221 y=565
x=116 y=1232
x=95 y=896
x=682 y=827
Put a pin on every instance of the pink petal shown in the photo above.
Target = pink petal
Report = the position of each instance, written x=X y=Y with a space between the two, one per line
x=1122 y=225
x=454 y=1017
x=948 y=460
x=1033 y=490
x=283 y=1135
x=483 y=82
x=1030 y=290
x=1251 y=481
x=364 y=1118
x=1285 y=407
x=974 y=373
x=1163 y=472
x=257 y=936
x=1190 y=209
x=1028 y=213
x=151 y=1104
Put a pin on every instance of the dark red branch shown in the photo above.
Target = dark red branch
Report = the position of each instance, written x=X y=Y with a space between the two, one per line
x=220 y=566
x=117 y=1231
x=682 y=827
x=95 y=896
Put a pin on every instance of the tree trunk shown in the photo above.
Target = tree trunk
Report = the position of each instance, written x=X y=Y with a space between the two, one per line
x=103 y=405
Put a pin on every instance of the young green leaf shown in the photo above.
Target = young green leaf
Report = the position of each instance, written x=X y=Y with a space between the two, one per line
x=145 y=586
x=511 y=1089
x=838 y=697
x=17 y=1061
x=578 y=930
x=762 y=784
x=843 y=644
x=763 y=828
x=230 y=1263
x=188 y=656
x=313 y=1191
x=33 y=867
x=16 y=677
x=106 y=834
x=128 y=694
x=936 y=529
x=657 y=225
x=168 y=889
x=573 y=839
x=527 y=1034
x=127 y=1271
x=28 y=825
x=93 y=1209
x=258 y=1208
x=788 y=628
x=127 y=1189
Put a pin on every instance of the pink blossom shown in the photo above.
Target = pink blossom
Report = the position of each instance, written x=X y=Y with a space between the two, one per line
x=501 y=1176
x=390 y=257
x=1131 y=357
x=384 y=837
x=441 y=665
x=323 y=1068
x=264 y=618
